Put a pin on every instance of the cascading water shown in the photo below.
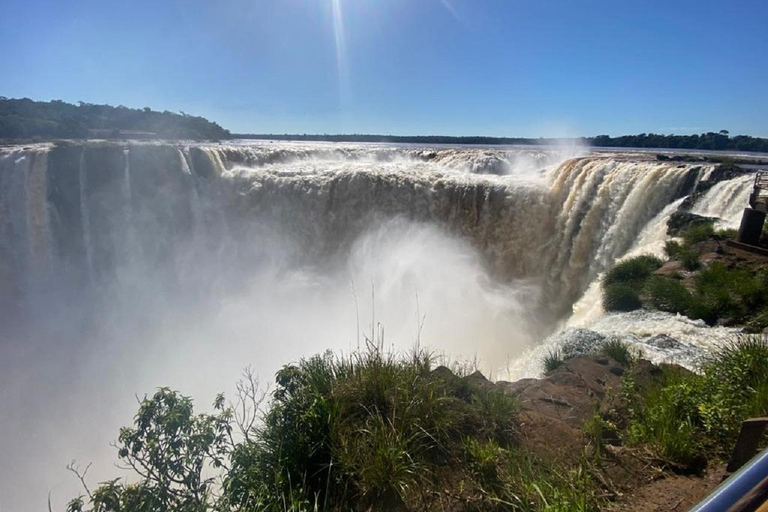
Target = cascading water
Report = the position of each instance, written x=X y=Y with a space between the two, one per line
x=662 y=337
x=180 y=264
x=726 y=201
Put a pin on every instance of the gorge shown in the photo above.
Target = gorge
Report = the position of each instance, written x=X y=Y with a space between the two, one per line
x=125 y=266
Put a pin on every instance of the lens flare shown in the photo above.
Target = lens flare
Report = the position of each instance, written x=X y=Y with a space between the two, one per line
x=341 y=50
x=450 y=8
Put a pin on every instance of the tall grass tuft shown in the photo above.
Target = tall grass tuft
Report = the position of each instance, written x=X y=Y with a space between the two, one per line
x=685 y=415
x=618 y=350
x=632 y=270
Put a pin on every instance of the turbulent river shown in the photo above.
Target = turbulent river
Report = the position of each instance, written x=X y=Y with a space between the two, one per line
x=124 y=267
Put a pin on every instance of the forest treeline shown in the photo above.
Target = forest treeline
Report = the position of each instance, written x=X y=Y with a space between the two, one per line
x=28 y=119
x=706 y=141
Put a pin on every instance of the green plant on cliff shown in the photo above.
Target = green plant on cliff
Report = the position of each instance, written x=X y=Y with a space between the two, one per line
x=668 y=295
x=685 y=416
x=623 y=283
x=618 y=350
x=632 y=270
x=370 y=431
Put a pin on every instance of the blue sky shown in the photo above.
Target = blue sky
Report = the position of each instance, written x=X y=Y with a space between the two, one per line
x=454 y=67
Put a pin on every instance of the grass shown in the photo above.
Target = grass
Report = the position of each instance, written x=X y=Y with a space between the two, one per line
x=553 y=360
x=621 y=297
x=513 y=479
x=725 y=234
x=700 y=232
x=619 y=351
x=375 y=431
x=684 y=416
x=632 y=270
x=622 y=284
x=718 y=294
x=668 y=295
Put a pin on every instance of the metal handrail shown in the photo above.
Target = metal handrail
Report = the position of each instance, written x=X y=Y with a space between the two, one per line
x=749 y=484
x=738 y=485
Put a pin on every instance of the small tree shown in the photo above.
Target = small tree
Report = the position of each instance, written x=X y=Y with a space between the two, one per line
x=178 y=456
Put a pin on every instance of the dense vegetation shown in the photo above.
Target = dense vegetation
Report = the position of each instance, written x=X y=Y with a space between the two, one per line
x=366 y=432
x=27 y=119
x=715 y=293
x=374 y=432
x=706 y=141
x=720 y=141
x=686 y=417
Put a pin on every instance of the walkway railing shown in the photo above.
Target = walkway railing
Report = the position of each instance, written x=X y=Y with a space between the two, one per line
x=746 y=490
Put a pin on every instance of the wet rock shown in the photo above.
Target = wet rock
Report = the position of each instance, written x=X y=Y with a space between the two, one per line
x=663 y=341
x=571 y=392
x=577 y=342
x=680 y=221
x=672 y=269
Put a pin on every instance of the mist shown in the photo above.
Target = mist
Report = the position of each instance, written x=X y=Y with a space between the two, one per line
x=70 y=377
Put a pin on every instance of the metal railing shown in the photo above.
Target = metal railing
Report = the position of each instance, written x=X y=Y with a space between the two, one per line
x=760 y=190
x=746 y=490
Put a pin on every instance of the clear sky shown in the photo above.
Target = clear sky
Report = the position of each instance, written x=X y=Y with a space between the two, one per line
x=453 y=67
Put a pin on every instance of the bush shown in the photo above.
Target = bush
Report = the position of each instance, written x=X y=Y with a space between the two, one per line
x=668 y=295
x=621 y=297
x=668 y=420
x=726 y=234
x=553 y=360
x=698 y=233
x=370 y=431
x=632 y=270
x=689 y=257
x=737 y=377
x=618 y=350
x=685 y=415
x=672 y=248
x=367 y=432
x=683 y=253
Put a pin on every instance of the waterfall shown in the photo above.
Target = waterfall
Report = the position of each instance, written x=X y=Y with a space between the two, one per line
x=726 y=200
x=179 y=264
x=85 y=216
x=559 y=226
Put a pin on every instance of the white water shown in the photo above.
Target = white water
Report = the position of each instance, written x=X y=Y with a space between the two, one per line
x=726 y=201
x=180 y=265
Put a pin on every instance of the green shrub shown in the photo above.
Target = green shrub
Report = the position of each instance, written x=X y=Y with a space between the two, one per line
x=553 y=360
x=685 y=415
x=672 y=248
x=632 y=270
x=730 y=293
x=684 y=253
x=698 y=233
x=670 y=422
x=621 y=297
x=618 y=350
x=668 y=295
x=726 y=234
x=737 y=374
x=689 y=257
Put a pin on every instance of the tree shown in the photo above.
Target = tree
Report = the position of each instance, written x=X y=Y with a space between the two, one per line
x=180 y=457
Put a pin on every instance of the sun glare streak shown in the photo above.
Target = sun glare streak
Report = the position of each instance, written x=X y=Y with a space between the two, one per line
x=450 y=8
x=341 y=49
